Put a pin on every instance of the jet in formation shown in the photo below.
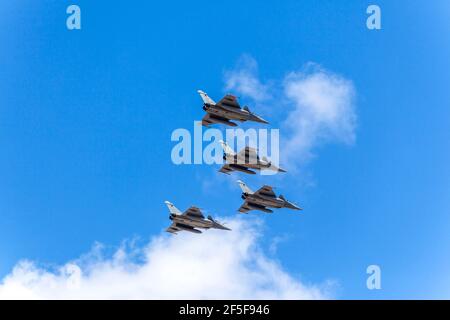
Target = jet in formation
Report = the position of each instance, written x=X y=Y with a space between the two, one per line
x=189 y=220
x=263 y=198
x=226 y=109
x=245 y=160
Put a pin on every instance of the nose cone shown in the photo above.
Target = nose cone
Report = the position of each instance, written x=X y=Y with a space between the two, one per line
x=256 y=118
x=219 y=226
x=223 y=228
x=261 y=120
x=292 y=206
x=216 y=225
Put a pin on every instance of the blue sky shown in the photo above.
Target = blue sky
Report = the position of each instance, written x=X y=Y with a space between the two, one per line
x=86 y=118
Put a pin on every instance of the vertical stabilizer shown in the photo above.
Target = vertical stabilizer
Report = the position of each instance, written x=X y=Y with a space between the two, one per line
x=206 y=99
x=226 y=148
x=172 y=208
x=244 y=187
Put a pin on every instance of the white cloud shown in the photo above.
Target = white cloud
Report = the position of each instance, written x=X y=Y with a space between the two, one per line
x=243 y=80
x=313 y=106
x=276 y=241
x=214 y=265
x=323 y=110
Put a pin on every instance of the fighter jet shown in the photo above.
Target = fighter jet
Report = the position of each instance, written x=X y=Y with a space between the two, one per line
x=189 y=220
x=225 y=110
x=245 y=159
x=263 y=198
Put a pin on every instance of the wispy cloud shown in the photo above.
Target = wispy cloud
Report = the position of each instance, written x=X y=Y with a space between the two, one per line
x=276 y=241
x=243 y=79
x=322 y=111
x=313 y=105
x=213 y=265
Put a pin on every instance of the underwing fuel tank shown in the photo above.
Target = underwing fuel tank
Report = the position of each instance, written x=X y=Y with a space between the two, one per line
x=219 y=120
x=256 y=207
x=242 y=169
x=186 y=228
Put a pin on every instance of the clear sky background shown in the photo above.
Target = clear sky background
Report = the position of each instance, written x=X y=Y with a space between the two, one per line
x=86 y=118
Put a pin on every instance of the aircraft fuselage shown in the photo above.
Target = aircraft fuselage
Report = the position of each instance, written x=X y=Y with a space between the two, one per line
x=192 y=222
x=227 y=112
x=252 y=163
x=272 y=202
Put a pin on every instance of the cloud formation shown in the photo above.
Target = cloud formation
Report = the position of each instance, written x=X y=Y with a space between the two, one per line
x=213 y=265
x=314 y=106
x=243 y=79
x=322 y=110
x=319 y=107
